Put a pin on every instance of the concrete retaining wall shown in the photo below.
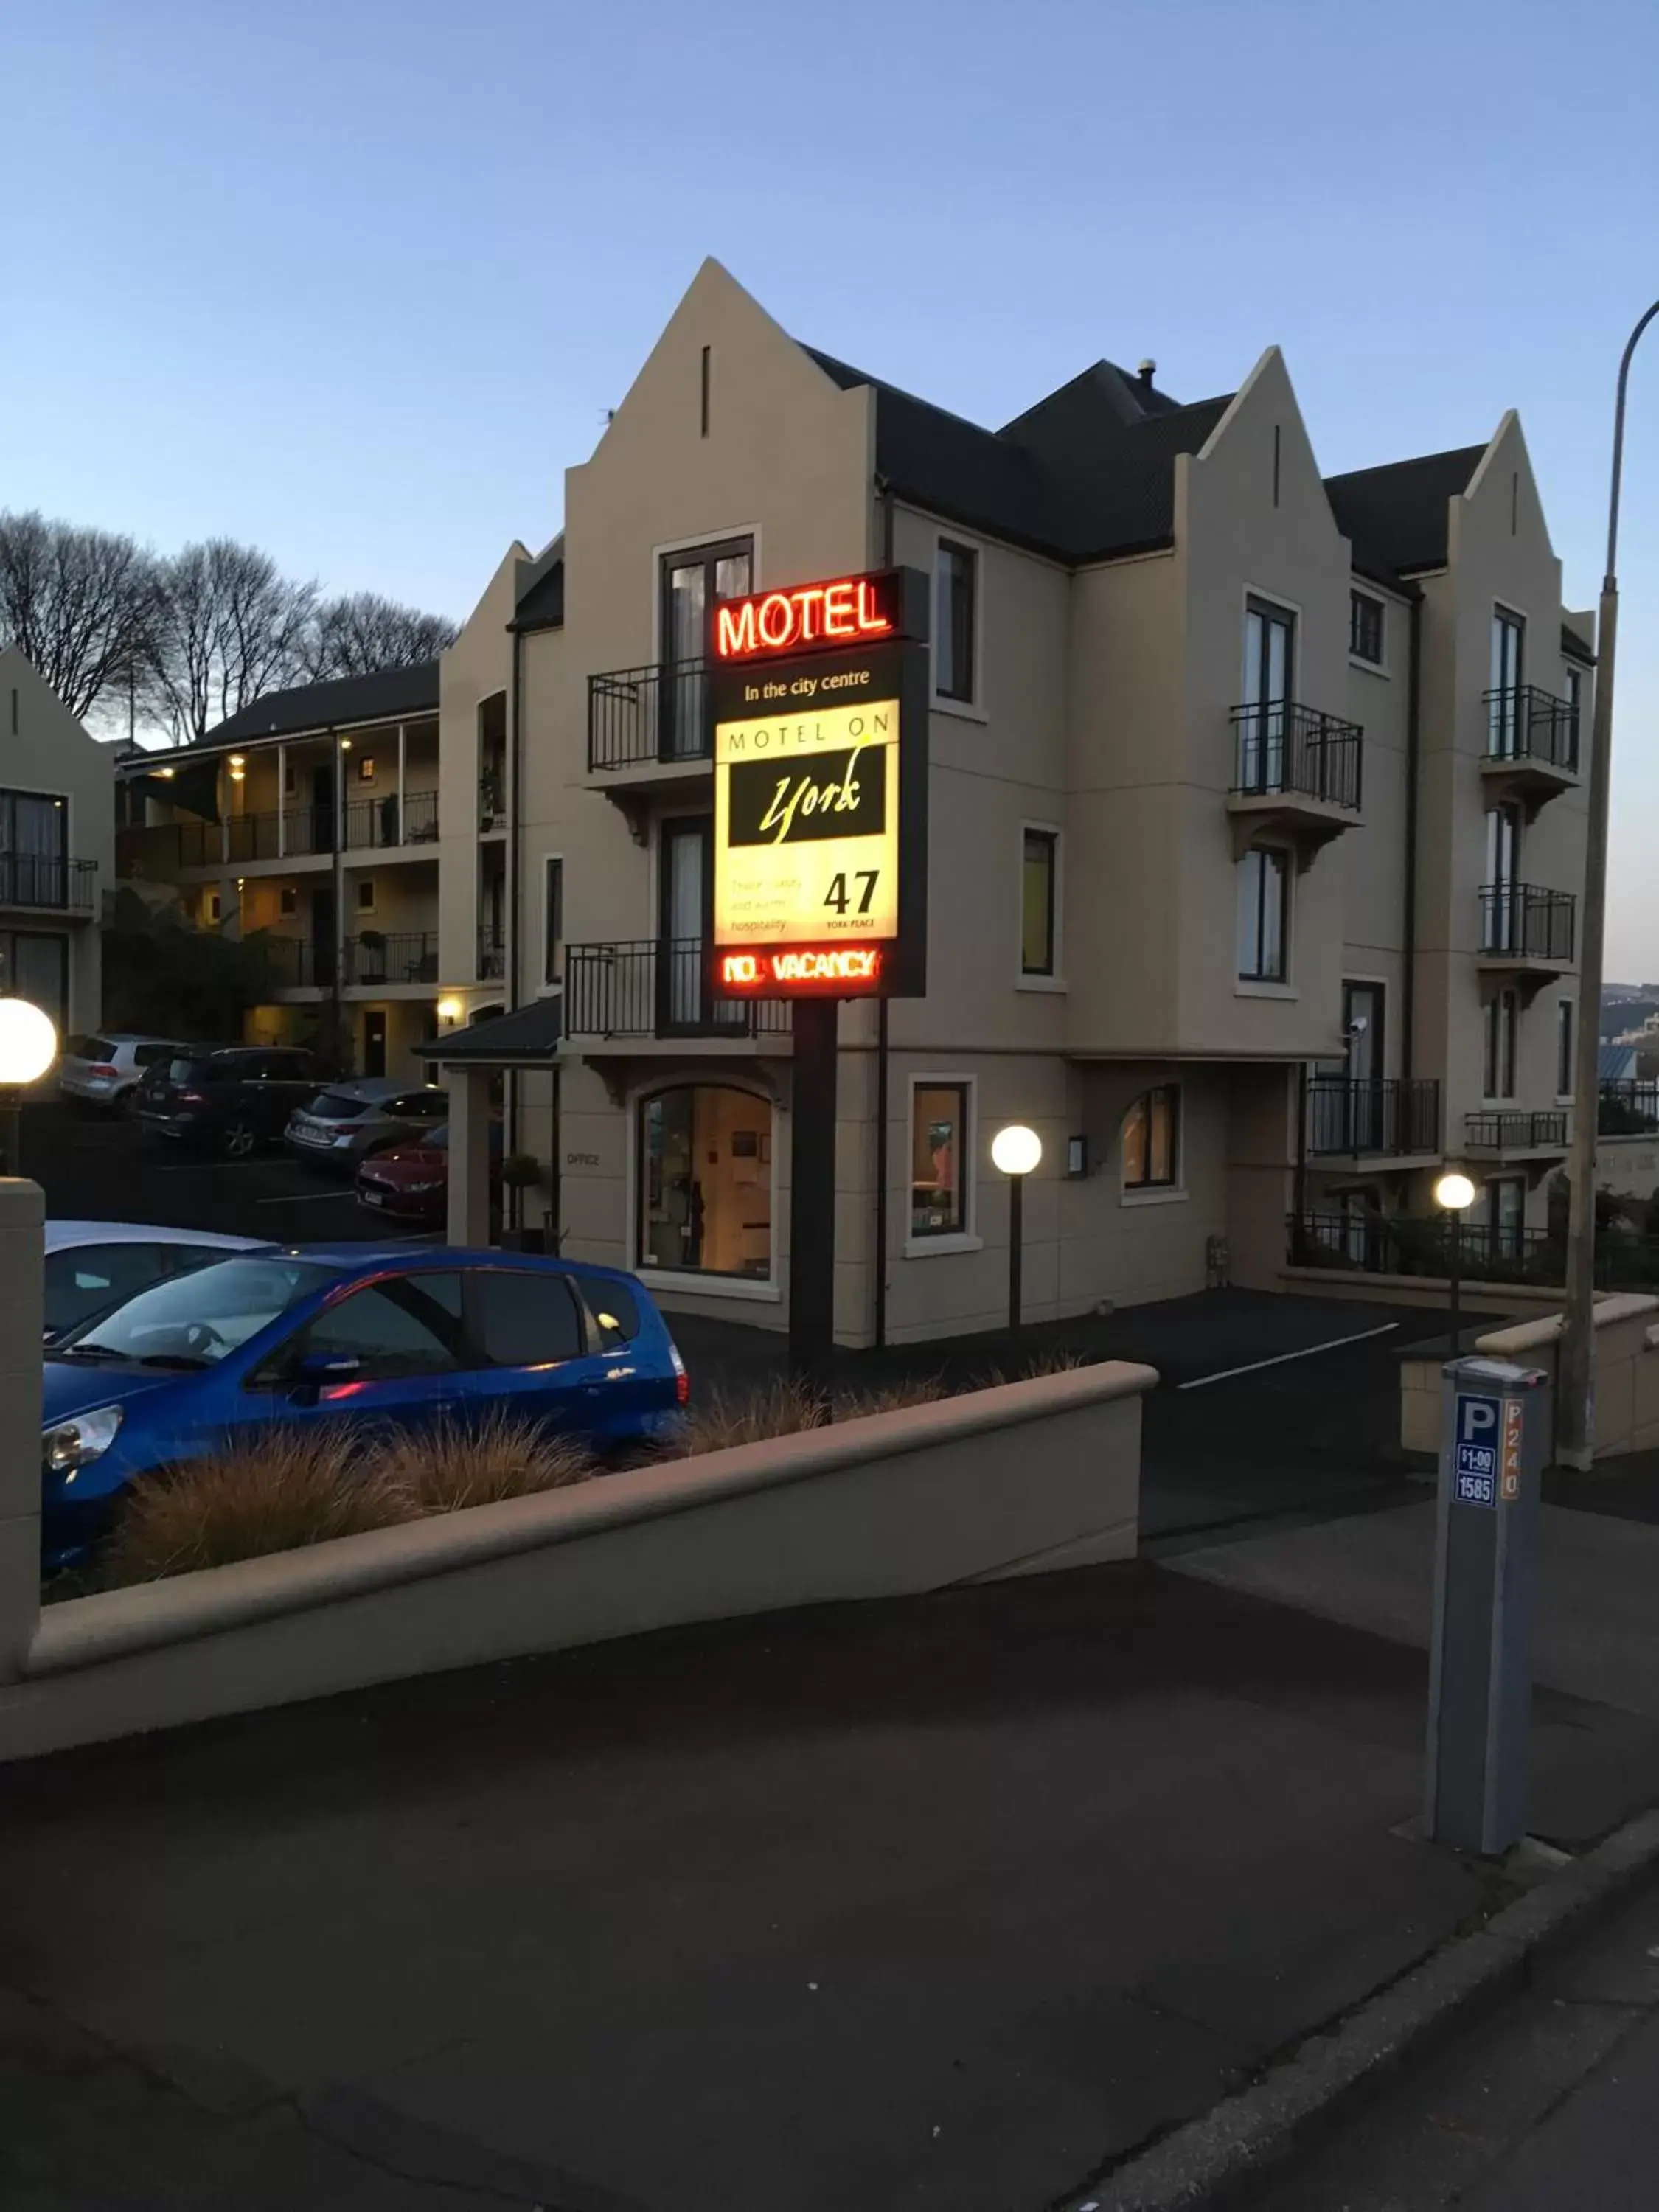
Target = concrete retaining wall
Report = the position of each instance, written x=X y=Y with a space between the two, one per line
x=1626 y=1374
x=1423 y=1290
x=1017 y=1479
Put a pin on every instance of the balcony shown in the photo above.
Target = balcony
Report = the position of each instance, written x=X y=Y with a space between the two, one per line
x=286 y=833
x=1382 y=1120
x=1294 y=769
x=46 y=882
x=647 y=730
x=1526 y=932
x=492 y=955
x=1515 y=1135
x=387 y=824
x=373 y=960
x=1628 y=1109
x=1365 y=1241
x=298 y=963
x=1532 y=746
x=657 y=990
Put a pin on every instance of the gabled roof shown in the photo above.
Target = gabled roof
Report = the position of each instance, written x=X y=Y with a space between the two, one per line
x=540 y=603
x=529 y=1036
x=1395 y=517
x=386 y=694
x=1086 y=473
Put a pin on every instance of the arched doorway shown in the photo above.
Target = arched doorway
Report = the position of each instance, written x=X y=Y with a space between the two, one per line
x=703 y=1173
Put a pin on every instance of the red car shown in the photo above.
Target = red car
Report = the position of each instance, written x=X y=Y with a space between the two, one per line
x=412 y=1181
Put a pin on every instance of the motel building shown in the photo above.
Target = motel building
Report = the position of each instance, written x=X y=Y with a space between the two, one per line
x=1255 y=842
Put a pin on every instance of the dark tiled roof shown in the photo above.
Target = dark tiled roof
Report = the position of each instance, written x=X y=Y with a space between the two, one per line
x=1087 y=472
x=530 y=1033
x=1395 y=517
x=388 y=693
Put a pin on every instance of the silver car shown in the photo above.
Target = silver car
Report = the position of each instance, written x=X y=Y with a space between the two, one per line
x=106 y=1069
x=345 y=1124
x=94 y=1264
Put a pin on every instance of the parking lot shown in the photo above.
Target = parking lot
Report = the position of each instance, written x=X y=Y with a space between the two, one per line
x=98 y=1166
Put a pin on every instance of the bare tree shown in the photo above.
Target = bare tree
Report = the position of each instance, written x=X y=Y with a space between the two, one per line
x=80 y=603
x=360 y=632
x=229 y=629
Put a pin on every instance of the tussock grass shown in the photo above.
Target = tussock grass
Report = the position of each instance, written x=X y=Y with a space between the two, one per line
x=445 y=1470
x=277 y=1493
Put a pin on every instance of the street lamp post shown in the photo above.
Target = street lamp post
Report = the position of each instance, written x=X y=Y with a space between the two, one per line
x=28 y=1046
x=1015 y=1151
x=1454 y=1193
x=1575 y=1412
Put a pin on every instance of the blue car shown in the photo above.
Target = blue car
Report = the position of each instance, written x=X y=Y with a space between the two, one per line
x=384 y=1334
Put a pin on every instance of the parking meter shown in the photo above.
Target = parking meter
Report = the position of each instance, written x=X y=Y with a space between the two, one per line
x=1495 y=1442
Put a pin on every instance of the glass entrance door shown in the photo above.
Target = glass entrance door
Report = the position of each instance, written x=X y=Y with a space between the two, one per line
x=1362 y=1029
x=692 y=583
x=1269 y=640
x=683 y=905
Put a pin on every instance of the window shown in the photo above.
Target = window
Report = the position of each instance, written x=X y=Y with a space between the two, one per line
x=414 y=1106
x=955 y=583
x=1503 y=1213
x=1508 y=645
x=1365 y=627
x=1573 y=692
x=939 y=1140
x=289 y=900
x=1038 y=888
x=1501 y=1020
x=82 y=1282
x=365 y=767
x=1564 y=1069
x=409 y=1326
x=614 y=1312
x=215 y=907
x=1152 y=1139
x=552 y=919
x=1263 y=901
x=290 y=777
x=527 y=1321
x=692 y=584
x=35 y=966
x=705 y=1181
x=365 y=895
x=201 y=1317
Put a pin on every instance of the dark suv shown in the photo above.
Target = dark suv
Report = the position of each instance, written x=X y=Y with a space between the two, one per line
x=233 y=1098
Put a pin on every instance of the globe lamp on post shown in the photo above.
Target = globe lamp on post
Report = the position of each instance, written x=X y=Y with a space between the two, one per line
x=28 y=1046
x=1015 y=1151
x=1453 y=1193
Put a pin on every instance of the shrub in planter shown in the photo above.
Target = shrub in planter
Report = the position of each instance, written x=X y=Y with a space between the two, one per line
x=445 y=1469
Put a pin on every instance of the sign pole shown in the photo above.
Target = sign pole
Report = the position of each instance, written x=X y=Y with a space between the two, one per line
x=812 y=1190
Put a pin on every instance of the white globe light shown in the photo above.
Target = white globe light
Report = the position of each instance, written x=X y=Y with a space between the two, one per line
x=28 y=1043
x=1016 y=1150
x=1454 y=1192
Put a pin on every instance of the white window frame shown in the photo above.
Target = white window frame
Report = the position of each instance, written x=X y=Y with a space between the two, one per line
x=1267 y=986
x=1055 y=980
x=548 y=982
x=752 y=531
x=967 y=1238
x=1157 y=1193
x=686 y=1282
x=974 y=709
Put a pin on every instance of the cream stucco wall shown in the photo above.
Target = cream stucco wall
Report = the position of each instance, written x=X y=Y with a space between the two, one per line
x=44 y=749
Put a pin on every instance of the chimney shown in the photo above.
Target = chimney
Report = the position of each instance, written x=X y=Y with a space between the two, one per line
x=1147 y=371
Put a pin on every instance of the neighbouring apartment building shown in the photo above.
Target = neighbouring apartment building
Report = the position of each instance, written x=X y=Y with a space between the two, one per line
x=1256 y=838
x=57 y=833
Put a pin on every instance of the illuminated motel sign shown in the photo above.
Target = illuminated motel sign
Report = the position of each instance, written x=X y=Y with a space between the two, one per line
x=818 y=694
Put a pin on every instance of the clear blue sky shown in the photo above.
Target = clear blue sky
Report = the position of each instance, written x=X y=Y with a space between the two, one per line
x=356 y=279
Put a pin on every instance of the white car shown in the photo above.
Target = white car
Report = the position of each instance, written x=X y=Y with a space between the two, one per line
x=93 y=1264
x=106 y=1069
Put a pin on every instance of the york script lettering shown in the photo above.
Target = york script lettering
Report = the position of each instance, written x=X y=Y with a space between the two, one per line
x=803 y=796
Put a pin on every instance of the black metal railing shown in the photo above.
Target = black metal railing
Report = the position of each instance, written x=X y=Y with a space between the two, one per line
x=1526 y=724
x=299 y=964
x=1388 y=1115
x=1282 y=750
x=638 y=716
x=1394 y=1245
x=286 y=832
x=492 y=955
x=657 y=988
x=401 y=956
x=1524 y=922
x=1627 y=1108
x=1506 y=1129
x=44 y=879
x=375 y=825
